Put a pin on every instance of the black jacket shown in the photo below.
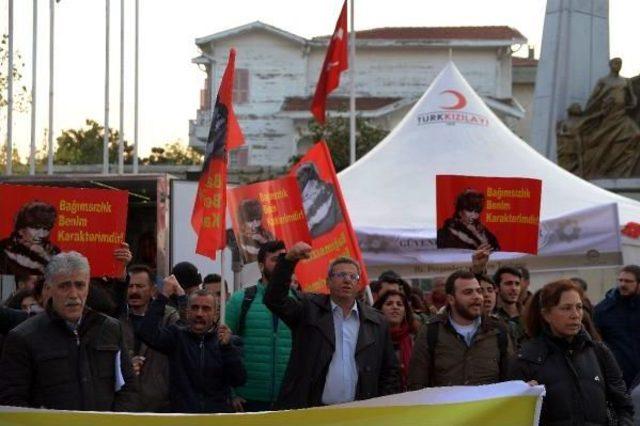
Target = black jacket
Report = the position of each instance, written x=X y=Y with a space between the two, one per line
x=44 y=364
x=581 y=378
x=313 y=343
x=617 y=319
x=202 y=371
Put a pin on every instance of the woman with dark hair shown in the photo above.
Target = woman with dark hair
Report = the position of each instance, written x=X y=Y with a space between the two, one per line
x=403 y=326
x=464 y=230
x=24 y=300
x=582 y=379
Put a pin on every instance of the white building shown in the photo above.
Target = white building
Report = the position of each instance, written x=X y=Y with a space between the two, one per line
x=276 y=75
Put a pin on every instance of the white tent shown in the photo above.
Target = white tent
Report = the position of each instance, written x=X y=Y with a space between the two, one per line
x=390 y=192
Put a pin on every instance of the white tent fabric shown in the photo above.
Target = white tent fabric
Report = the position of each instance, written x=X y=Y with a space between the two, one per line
x=390 y=192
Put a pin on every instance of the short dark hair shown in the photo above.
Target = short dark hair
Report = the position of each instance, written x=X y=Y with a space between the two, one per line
x=375 y=286
x=449 y=285
x=524 y=272
x=187 y=274
x=36 y=214
x=141 y=268
x=199 y=293
x=341 y=261
x=250 y=210
x=392 y=277
x=497 y=277
x=269 y=247
x=15 y=301
x=632 y=269
x=212 y=278
x=487 y=279
x=580 y=282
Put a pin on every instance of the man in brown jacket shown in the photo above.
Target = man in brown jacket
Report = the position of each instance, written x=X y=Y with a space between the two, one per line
x=460 y=346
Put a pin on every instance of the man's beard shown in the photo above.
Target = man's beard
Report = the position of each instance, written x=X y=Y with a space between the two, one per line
x=464 y=312
x=266 y=274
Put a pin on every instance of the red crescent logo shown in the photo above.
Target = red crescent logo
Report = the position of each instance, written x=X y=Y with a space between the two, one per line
x=461 y=101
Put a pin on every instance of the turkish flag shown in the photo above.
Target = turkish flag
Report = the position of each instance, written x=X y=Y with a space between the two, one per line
x=335 y=62
x=208 y=217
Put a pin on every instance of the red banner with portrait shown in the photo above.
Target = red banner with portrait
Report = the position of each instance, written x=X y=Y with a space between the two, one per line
x=267 y=211
x=36 y=222
x=501 y=212
x=327 y=218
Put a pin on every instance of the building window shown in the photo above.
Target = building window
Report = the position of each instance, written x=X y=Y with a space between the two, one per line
x=239 y=157
x=241 y=86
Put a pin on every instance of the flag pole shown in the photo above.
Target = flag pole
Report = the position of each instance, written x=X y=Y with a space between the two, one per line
x=352 y=97
x=9 y=151
x=34 y=55
x=52 y=20
x=105 y=137
x=135 y=90
x=121 y=136
x=223 y=290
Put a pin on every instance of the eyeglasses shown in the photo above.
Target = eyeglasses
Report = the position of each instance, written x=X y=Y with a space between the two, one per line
x=343 y=275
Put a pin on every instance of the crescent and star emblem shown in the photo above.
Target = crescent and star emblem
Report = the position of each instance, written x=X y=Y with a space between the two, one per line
x=461 y=101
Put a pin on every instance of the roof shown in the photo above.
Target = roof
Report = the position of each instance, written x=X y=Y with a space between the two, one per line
x=486 y=35
x=441 y=33
x=250 y=27
x=337 y=103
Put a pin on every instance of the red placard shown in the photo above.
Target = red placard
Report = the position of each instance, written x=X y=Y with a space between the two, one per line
x=328 y=220
x=90 y=221
x=503 y=212
x=266 y=211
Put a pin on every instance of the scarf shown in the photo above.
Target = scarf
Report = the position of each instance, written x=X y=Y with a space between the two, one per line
x=402 y=341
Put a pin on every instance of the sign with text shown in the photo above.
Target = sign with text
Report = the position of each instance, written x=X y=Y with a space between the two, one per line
x=327 y=217
x=37 y=222
x=266 y=211
x=502 y=212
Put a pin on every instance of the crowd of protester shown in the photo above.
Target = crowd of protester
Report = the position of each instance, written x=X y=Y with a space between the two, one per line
x=75 y=342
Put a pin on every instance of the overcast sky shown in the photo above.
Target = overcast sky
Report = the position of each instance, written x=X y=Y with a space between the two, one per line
x=170 y=83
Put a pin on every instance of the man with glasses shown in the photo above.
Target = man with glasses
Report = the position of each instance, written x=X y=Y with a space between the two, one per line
x=341 y=348
x=617 y=318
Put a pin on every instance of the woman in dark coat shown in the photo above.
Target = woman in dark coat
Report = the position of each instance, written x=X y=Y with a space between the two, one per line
x=582 y=379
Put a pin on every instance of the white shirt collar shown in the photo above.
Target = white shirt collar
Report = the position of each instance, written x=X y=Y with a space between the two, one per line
x=354 y=308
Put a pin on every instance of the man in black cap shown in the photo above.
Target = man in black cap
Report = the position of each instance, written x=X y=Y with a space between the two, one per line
x=28 y=249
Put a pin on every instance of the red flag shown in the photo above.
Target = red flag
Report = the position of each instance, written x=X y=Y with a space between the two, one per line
x=335 y=62
x=327 y=218
x=208 y=217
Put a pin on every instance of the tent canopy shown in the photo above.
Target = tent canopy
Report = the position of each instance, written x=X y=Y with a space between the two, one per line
x=450 y=130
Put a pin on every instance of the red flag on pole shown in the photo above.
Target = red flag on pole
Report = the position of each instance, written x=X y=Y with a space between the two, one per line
x=335 y=62
x=208 y=217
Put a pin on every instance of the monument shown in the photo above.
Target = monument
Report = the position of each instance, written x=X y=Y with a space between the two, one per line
x=574 y=54
x=603 y=141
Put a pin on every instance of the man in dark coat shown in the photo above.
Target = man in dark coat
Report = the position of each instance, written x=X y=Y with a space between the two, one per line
x=617 y=318
x=203 y=362
x=341 y=348
x=69 y=357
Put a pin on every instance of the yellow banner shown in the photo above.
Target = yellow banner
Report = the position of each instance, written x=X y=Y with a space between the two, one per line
x=509 y=404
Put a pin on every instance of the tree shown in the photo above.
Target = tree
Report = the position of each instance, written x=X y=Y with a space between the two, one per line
x=335 y=132
x=20 y=96
x=85 y=146
x=173 y=153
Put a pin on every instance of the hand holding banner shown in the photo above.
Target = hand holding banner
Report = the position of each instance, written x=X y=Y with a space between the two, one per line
x=266 y=211
x=38 y=222
x=502 y=212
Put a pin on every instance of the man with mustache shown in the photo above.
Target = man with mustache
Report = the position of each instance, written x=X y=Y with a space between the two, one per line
x=203 y=362
x=68 y=357
x=341 y=348
x=150 y=367
x=461 y=346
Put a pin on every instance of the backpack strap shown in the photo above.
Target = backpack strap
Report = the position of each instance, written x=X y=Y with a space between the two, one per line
x=433 y=330
x=249 y=296
x=503 y=349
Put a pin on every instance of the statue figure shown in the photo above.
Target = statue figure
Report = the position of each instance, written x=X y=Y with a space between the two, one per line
x=569 y=140
x=609 y=134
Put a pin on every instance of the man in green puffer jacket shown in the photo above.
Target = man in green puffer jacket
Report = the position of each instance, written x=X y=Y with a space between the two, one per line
x=267 y=340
